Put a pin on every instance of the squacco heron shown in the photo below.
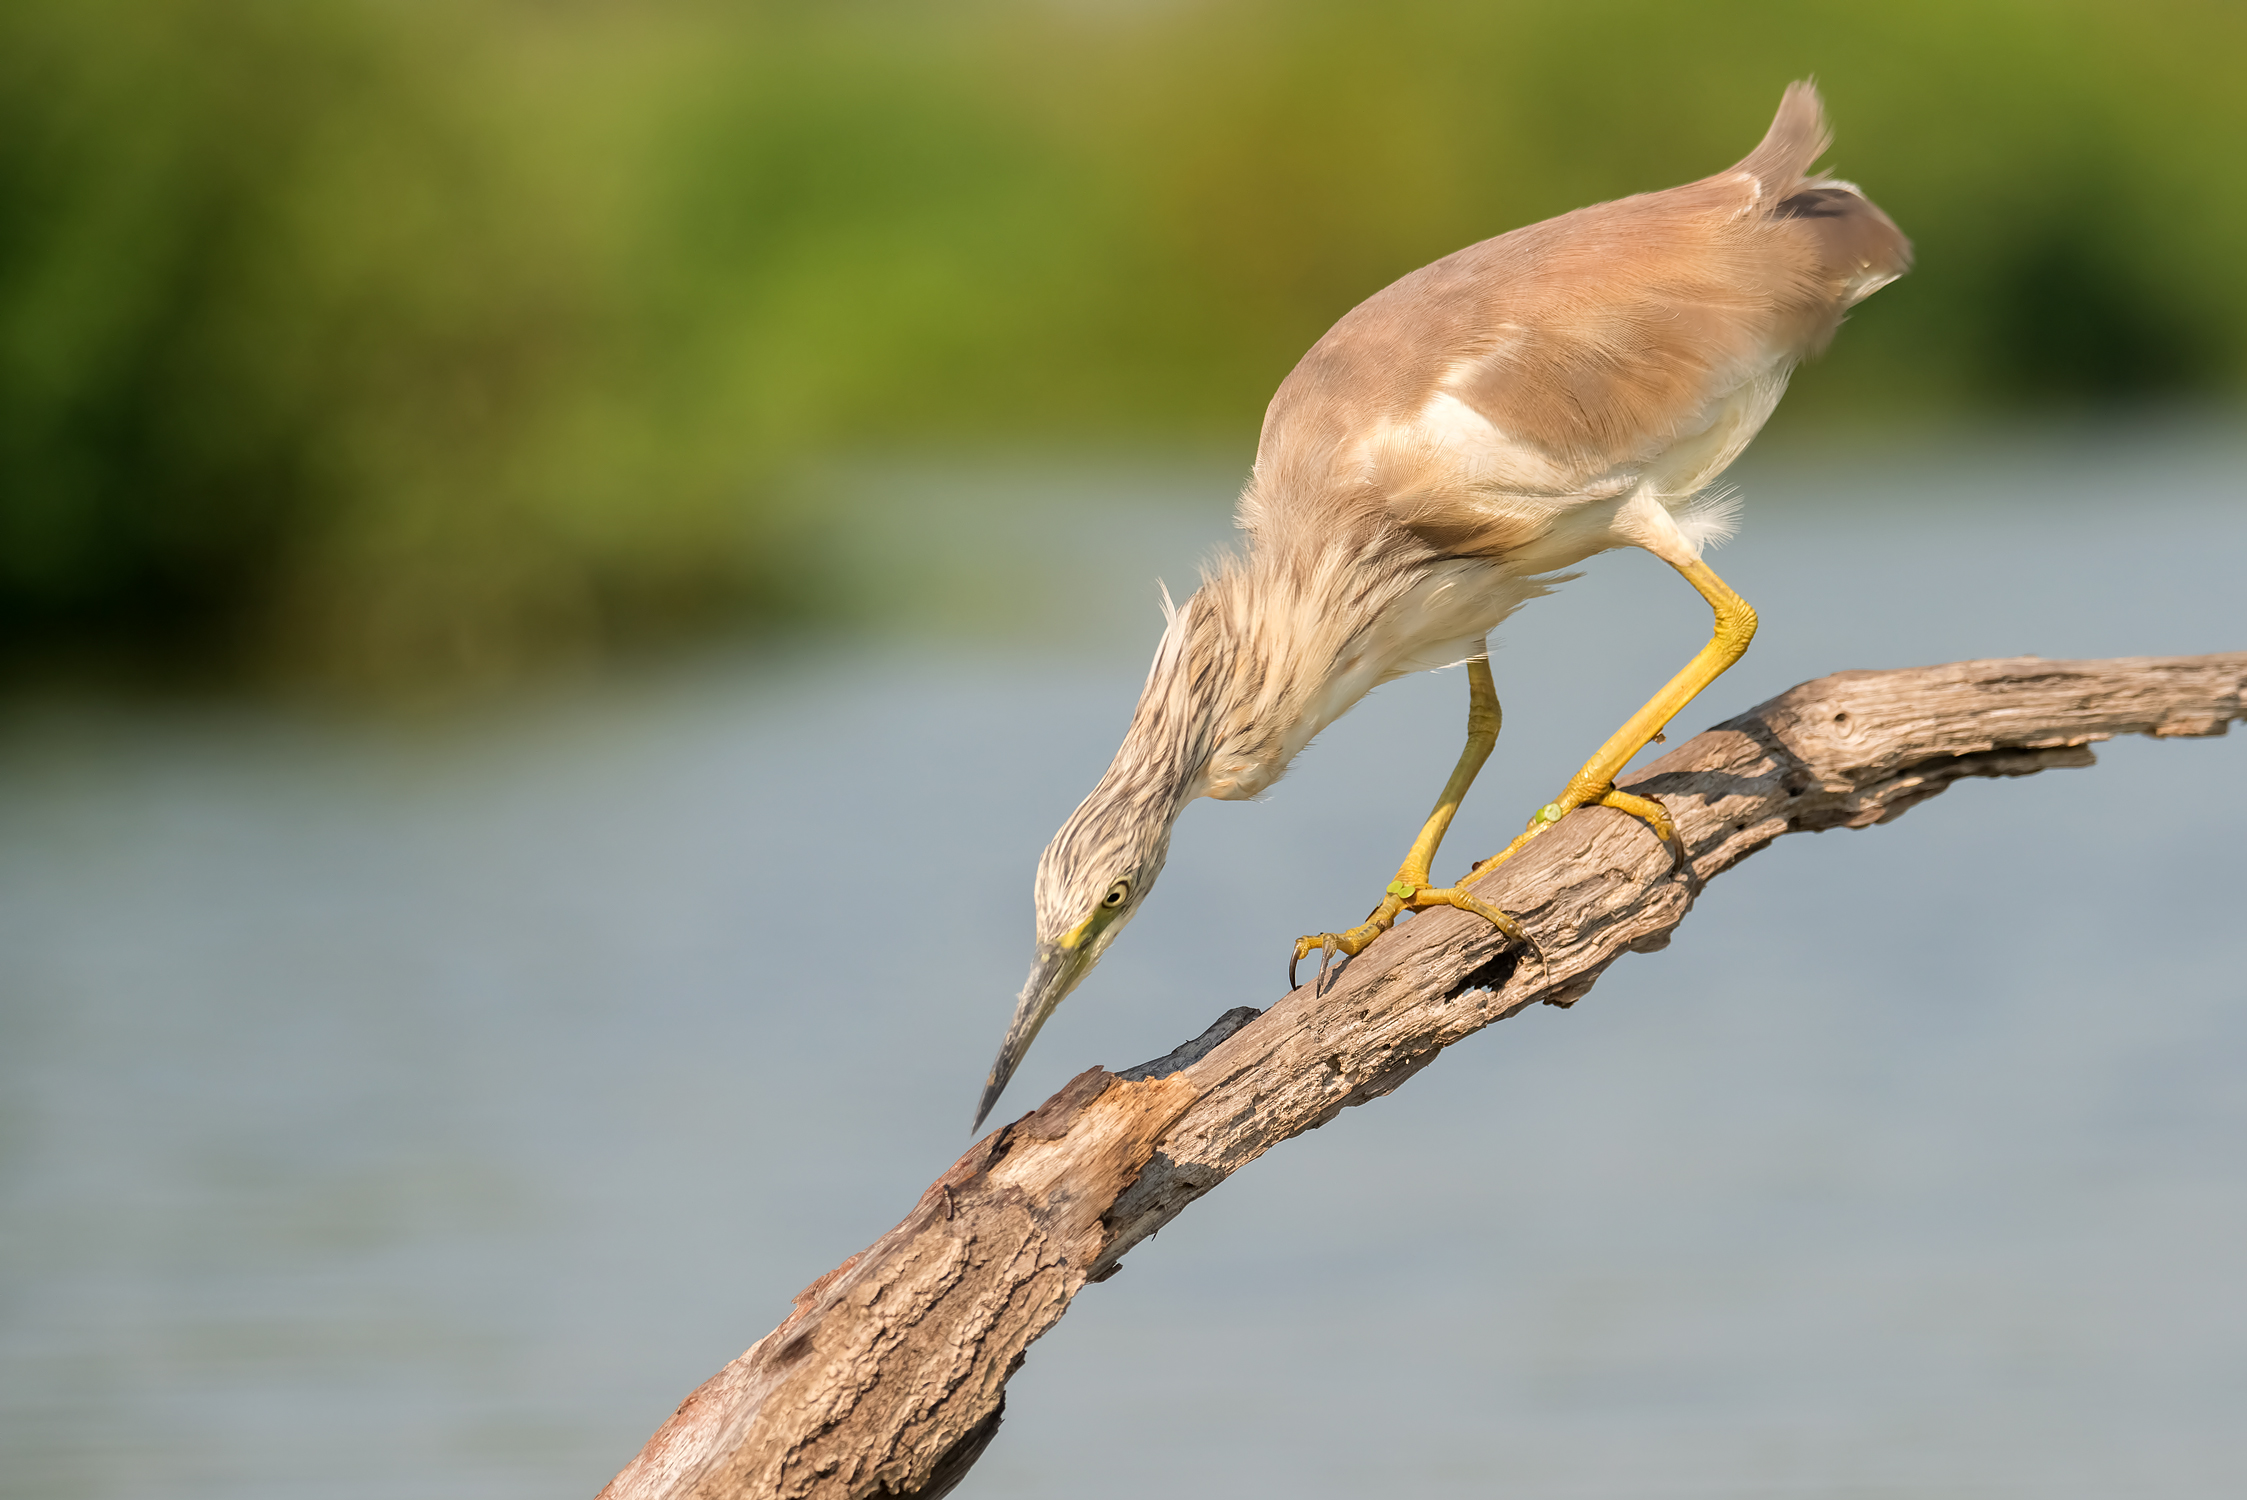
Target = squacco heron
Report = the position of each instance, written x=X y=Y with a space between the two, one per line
x=1452 y=444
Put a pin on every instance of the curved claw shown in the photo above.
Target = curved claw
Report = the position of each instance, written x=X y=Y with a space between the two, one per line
x=1348 y=944
x=1327 y=943
x=1351 y=943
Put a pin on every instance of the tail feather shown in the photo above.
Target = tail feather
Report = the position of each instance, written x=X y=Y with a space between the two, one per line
x=1798 y=136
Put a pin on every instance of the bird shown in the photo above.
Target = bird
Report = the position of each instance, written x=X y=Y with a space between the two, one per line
x=1441 y=457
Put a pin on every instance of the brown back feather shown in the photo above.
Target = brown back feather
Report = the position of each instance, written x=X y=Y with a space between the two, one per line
x=1593 y=341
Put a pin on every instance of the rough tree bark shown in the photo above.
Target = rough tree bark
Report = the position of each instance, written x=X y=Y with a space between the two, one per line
x=889 y=1377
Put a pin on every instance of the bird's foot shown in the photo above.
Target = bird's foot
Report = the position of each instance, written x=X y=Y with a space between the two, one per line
x=1648 y=811
x=1403 y=895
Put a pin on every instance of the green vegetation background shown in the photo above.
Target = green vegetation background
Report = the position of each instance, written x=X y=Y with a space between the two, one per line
x=384 y=340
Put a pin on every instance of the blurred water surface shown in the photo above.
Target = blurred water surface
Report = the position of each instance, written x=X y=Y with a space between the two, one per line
x=424 y=1111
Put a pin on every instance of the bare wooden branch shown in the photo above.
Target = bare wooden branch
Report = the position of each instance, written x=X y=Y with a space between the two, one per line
x=889 y=1377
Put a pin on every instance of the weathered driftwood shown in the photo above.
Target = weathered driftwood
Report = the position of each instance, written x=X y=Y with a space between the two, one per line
x=889 y=1377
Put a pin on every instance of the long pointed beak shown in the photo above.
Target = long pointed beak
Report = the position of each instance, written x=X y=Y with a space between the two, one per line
x=1057 y=971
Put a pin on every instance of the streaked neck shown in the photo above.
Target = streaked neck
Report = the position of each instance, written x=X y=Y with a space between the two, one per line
x=1243 y=676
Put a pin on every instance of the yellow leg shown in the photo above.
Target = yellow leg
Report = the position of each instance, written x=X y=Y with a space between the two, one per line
x=1595 y=784
x=1410 y=891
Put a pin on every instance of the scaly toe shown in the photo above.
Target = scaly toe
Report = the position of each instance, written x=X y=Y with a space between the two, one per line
x=1655 y=816
x=1466 y=901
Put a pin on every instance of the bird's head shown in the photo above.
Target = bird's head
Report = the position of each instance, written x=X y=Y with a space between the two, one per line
x=1099 y=868
x=1091 y=881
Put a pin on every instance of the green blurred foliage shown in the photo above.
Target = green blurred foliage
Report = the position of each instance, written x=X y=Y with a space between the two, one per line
x=382 y=340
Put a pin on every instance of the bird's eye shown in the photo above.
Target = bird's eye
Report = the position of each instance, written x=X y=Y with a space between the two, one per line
x=1116 y=895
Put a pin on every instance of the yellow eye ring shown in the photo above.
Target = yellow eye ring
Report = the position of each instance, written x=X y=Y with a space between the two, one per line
x=1116 y=895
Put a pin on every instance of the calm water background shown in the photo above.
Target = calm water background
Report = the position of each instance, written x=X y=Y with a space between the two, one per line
x=423 y=1111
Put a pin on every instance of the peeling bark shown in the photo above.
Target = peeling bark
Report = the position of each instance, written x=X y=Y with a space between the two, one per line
x=889 y=1377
